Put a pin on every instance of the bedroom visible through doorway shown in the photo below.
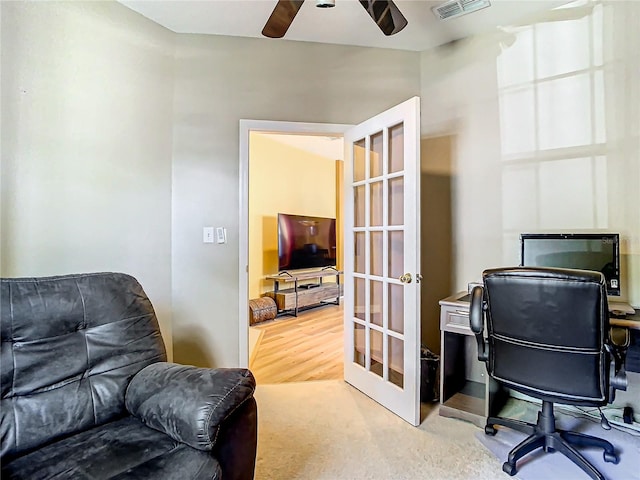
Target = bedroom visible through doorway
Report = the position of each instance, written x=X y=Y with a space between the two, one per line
x=299 y=174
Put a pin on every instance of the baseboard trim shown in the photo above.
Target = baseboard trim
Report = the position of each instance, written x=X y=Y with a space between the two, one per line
x=253 y=345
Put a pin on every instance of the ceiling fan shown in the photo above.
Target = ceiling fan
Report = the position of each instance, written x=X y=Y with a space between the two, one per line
x=384 y=12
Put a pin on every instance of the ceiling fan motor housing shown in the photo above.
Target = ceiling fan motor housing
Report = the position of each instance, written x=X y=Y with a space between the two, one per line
x=325 y=3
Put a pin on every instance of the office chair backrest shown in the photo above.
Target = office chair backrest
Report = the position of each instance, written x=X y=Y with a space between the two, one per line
x=547 y=329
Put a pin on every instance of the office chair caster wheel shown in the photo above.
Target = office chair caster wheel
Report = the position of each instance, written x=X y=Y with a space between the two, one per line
x=490 y=430
x=509 y=469
x=611 y=458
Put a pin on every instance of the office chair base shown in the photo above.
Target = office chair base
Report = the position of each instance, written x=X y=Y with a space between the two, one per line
x=544 y=435
x=509 y=469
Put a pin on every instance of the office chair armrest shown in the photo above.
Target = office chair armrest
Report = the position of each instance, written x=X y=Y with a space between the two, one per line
x=617 y=373
x=476 y=321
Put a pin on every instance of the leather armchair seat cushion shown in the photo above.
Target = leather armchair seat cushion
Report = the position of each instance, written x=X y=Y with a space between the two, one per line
x=122 y=449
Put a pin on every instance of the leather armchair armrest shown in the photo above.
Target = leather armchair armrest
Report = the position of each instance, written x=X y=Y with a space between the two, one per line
x=476 y=322
x=188 y=403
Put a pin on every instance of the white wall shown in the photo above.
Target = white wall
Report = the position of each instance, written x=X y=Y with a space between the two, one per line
x=220 y=80
x=91 y=171
x=544 y=123
x=86 y=144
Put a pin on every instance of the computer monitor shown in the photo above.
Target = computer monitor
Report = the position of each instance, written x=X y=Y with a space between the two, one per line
x=584 y=251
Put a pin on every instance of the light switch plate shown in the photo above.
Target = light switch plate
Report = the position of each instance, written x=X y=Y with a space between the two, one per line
x=207 y=234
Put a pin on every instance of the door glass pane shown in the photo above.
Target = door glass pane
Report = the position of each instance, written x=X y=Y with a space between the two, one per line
x=375 y=203
x=376 y=303
x=396 y=361
x=358 y=298
x=359 y=160
x=396 y=308
x=358 y=206
x=375 y=159
x=375 y=254
x=396 y=148
x=359 y=263
x=396 y=201
x=358 y=344
x=396 y=254
x=376 y=351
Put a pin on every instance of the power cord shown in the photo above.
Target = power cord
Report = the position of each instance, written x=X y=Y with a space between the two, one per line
x=596 y=413
x=604 y=422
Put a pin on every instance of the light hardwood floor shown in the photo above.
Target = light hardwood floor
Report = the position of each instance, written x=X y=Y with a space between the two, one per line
x=298 y=349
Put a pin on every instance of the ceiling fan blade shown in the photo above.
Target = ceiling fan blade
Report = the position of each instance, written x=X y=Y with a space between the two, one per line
x=281 y=17
x=386 y=15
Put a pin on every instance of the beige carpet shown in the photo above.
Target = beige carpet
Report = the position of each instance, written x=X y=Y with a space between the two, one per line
x=329 y=430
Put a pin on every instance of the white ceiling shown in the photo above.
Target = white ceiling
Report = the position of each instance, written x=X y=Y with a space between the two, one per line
x=347 y=24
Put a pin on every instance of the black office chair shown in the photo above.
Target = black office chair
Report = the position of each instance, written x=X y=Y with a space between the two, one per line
x=547 y=337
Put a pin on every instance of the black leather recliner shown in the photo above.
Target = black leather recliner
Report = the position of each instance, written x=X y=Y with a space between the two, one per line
x=87 y=393
x=547 y=337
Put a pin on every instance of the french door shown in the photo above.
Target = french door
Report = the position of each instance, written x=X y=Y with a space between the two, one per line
x=382 y=258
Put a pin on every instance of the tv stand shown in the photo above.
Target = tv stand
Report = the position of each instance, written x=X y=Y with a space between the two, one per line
x=290 y=301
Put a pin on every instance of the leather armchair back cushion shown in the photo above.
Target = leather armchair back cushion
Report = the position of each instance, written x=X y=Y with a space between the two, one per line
x=70 y=345
x=546 y=333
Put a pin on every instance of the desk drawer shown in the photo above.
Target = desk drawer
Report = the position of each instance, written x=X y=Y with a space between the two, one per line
x=454 y=319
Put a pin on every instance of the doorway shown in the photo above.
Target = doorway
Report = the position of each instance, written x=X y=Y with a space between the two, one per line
x=381 y=163
x=292 y=134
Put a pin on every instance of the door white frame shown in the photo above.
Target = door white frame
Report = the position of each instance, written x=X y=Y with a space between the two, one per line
x=264 y=126
x=402 y=399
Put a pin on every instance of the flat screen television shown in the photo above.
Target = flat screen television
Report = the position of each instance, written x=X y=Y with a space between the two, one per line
x=306 y=242
x=583 y=251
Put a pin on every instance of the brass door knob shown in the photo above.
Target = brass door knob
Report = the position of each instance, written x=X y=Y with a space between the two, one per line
x=406 y=278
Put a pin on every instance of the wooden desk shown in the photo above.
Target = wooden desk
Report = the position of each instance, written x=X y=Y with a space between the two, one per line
x=466 y=391
x=630 y=321
x=462 y=299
